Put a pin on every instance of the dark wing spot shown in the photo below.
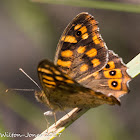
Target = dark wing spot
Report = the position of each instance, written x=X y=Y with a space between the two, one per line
x=107 y=66
x=112 y=73
x=114 y=83
x=78 y=33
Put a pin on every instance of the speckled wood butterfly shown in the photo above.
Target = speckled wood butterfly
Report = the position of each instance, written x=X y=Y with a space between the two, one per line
x=85 y=73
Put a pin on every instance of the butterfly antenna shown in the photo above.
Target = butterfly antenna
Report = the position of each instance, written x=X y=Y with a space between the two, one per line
x=13 y=89
x=29 y=78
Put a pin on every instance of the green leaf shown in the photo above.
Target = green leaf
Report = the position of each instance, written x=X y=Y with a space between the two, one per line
x=134 y=66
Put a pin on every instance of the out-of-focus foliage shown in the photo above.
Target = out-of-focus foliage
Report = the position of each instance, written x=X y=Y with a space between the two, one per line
x=2 y=130
x=106 y=5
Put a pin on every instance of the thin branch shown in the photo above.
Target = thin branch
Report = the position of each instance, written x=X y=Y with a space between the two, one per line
x=56 y=129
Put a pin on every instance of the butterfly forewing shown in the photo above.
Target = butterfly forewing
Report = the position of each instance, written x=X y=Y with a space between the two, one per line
x=63 y=92
x=81 y=48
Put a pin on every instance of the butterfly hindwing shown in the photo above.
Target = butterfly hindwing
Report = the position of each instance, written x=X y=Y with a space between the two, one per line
x=64 y=92
x=81 y=48
x=112 y=80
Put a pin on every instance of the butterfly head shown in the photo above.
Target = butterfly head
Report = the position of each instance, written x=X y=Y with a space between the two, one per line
x=41 y=97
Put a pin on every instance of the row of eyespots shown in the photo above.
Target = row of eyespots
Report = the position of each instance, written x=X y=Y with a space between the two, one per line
x=110 y=72
x=113 y=73
x=114 y=83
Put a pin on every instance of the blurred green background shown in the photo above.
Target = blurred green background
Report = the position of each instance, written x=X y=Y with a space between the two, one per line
x=29 y=32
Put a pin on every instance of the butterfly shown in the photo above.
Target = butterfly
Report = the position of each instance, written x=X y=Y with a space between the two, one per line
x=85 y=73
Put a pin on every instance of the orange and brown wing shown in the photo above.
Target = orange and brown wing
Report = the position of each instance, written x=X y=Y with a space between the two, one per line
x=81 y=49
x=63 y=92
x=112 y=80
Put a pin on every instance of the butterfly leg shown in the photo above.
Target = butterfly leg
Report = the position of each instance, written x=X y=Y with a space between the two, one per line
x=54 y=114
x=48 y=114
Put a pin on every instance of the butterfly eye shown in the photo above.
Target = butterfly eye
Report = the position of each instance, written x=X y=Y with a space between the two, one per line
x=78 y=33
x=112 y=73
x=114 y=84
x=107 y=66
